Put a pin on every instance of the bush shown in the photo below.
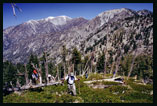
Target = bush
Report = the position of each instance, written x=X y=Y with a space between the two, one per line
x=117 y=88
x=95 y=77
x=67 y=98
x=105 y=83
x=137 y=97
x=108 y=75
x=110 y=83
x=87 y=94
x=142 y=88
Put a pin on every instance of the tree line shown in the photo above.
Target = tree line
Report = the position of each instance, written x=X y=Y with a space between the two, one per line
x=124 y=65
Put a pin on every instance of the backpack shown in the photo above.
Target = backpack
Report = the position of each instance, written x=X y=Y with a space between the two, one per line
x=34 y=71
x=71 y=79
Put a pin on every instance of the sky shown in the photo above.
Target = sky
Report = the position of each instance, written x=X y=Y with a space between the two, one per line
x=38 y=11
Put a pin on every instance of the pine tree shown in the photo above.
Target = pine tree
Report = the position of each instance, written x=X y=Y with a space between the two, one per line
x=64 y=53
x=100 y=63
x=9 y=73
x=76 y=59
x=21 y=77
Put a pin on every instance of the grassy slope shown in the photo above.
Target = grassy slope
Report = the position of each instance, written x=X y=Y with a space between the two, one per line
x=131 y=93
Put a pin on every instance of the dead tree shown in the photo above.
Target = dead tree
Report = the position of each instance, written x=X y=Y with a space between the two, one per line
x=86 y=65
x=81 y=70
x=26 y=75
x=12 y=87
x=117 y=64
x=46 y=68
x=112 y=67
x=91 y=62
x=95 y=69
x=105 y=51
x=64 y=53
x=15 y=6
x=18 y=83
x=57 y=73
x=23 y=75
x=105 y=61
x=64 y=69
x=132 y=64
x=73 y=67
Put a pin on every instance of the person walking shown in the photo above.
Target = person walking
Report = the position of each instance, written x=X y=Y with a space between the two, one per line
x=70 y=78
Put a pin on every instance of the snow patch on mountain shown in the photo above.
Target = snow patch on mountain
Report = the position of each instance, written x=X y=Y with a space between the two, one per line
x=59 y=20
x=118 y=13
x=49 y=18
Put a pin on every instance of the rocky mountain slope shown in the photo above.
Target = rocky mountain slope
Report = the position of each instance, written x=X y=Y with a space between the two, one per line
x=120 y=29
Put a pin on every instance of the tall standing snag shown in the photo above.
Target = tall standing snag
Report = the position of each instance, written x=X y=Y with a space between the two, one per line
x=46 y=67
x=117 y=64
x=26 y=75
x=132 y=64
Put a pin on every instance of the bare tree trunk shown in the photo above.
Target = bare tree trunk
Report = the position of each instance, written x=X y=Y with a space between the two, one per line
x=90 y=67
x=117 y=66
x=132 y=64
x=112 y=67
x=12 y=85
x=40 y=74
x=18 y=83
x=57 y=73
x=46 y=72
x=105 y=61
x=104 y=67
x=92 y=64
x=87 y=69
x=26 y=75
x=64 y=69
x=105 y=52
x=95 y=69
x=81 y=70
x=73 y=68
x=46 y=69
x=87 y=63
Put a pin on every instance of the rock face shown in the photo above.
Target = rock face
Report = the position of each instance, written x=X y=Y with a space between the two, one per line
x=113 y=30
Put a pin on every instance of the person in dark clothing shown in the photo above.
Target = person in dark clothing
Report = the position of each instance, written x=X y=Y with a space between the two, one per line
x=86 y=75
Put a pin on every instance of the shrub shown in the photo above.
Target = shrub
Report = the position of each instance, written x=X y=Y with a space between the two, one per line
x=142 y=88
x=95 y=77
x=67 y=98
x=117 y=88
x=137 y=97
x=87 y=94
x=110 y=83
x=105 y=83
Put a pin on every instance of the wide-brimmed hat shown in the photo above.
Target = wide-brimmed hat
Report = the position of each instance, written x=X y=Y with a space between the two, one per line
x=72 y=74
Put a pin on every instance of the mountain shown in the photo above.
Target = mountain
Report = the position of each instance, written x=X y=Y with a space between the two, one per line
x=31 y=35
x=119 y=29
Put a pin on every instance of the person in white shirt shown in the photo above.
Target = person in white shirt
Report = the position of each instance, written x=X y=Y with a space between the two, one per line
x=70 y=78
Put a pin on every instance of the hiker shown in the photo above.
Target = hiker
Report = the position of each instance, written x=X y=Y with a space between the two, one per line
x=35 y=76
x=113 y=74
x=35 y=73
x=86 y=75
x=49 y=77
x=71 y=83
x=70 y=78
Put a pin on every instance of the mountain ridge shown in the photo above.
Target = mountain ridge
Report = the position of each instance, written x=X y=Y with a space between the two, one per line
x=80 y=31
